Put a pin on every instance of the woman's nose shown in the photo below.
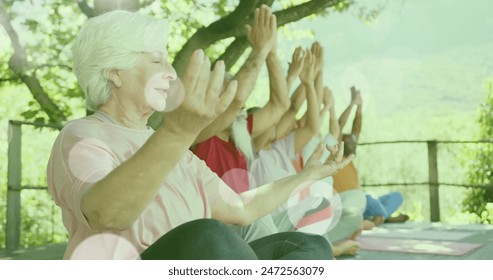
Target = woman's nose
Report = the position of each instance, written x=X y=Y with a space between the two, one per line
x=169 y=73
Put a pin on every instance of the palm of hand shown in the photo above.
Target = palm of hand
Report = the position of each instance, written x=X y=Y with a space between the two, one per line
x=203 y=100
x=308 y=73
x=328 y=98
x=334 y=162
x=263 y=35
x=358 y=100
x=296 y=62
x=318 y=52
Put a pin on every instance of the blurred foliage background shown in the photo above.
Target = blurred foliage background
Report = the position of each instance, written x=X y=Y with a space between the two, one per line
x=36 y=84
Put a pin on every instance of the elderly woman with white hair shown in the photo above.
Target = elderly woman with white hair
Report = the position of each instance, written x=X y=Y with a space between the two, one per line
x=127 y=191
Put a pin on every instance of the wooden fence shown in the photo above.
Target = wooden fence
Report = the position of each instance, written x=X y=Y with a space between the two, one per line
x=433 y=182
x=14 y=188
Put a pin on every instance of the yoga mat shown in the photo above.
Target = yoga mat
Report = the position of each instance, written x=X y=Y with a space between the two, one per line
x=416 y=246
x=417 y=234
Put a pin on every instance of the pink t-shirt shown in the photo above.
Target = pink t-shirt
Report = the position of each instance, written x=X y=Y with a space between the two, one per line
x=85 y=151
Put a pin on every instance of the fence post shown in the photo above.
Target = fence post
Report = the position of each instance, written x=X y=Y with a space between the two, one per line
x=433 y=181
x=12 y=240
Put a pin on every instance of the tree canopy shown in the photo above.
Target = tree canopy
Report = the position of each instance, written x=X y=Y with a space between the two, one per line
x=41 y=33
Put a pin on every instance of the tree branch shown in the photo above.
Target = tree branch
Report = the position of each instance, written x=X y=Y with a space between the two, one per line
x=233 y=52
x=146 y=3
x=205 y=36
x=233 y=24
x=51 y=66
x=298 y=12
x=14 y=39
x=18 y=64
x=286 y=16
x=10 y=79
x=85 y=8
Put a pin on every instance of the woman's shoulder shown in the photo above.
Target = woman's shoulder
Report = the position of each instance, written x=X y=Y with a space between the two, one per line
x=84 y=126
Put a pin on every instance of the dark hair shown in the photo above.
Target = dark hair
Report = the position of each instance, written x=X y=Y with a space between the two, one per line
x=350 y=144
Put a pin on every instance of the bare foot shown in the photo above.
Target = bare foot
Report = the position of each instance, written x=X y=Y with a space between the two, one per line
x=399 y=219
x=346 y=247
x=356 y=234
x=367 y=225
x=378 y=220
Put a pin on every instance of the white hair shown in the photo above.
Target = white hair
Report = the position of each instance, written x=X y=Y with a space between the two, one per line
x=241 y=137
x=113 y=41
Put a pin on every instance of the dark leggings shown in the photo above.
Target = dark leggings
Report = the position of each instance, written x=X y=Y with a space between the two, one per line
x=204 y=239
x=208 y=239
x=292 y=246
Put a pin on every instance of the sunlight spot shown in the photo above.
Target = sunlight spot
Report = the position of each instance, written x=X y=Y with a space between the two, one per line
x=314 y=208
x=236 y=177
x=105 y=246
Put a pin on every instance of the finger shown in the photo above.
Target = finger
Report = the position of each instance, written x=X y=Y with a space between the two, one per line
x=340 y=153
x=273 y=22
x=203 y=80
x=346 y=161
x=314 y=46
x=192 y=72
x=256 y=18
x=265 y=16
x=216 y=82
x=332 y=153
x=261 y=16
x=299 y=50
x=310 y=59
x=333 y=150
x=227 y=97
x=299 y=54
x=248 y=30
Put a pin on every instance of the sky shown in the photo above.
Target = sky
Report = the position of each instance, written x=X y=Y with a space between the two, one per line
x=417 y=55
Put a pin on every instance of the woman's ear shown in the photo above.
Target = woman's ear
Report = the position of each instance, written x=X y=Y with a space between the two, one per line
x=114 y=76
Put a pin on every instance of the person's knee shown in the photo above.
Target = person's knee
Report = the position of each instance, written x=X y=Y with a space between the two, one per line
x=352 y=216
x=213 y=231
x=200 y=239
x=207 y=223
x=317 y=244
x=398 y=198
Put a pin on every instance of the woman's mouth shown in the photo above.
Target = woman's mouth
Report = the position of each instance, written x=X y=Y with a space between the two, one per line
x=163 y=92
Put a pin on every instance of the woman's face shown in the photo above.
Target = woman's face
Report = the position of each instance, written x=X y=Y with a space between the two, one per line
x=147 y=84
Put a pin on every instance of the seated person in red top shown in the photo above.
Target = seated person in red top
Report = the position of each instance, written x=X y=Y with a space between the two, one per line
x=225 y=144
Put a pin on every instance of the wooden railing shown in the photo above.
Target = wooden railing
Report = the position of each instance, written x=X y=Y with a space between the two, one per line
x=14 y=182
x=433 y=181
x=15 y=187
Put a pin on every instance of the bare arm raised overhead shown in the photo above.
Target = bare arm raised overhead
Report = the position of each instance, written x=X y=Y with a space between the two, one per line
x=345 y=114
x=295 y=67
x=334 y=128
x=318 y=52
x=312 y=125
x=358 y=117
x=262 y=37
x=278 y=102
